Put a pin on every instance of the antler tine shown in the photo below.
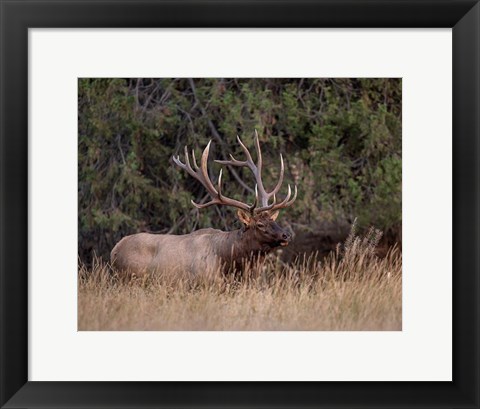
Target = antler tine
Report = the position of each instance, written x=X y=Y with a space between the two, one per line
x=293 y=199
x=182 y=165
x=234 y=162
x=194 y=160
x=204 y=171
x=202 y=206
x=246 y=151
x=280 y=179
x=259 y=153
x=219 y=189
x=255 y=202
x=287 y=202
x=187 y=160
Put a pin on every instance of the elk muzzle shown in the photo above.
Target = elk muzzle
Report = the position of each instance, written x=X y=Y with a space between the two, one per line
x=276 y=236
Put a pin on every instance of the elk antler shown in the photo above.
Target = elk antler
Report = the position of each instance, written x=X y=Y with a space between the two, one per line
x=261 y=195
x=201 y=174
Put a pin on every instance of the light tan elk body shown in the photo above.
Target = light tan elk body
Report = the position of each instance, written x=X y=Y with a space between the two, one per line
x=209 y=250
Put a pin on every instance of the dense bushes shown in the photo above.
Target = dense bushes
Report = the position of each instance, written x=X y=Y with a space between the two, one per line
x=341 y=139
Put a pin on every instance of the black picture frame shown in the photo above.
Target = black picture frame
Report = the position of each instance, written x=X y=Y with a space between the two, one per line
x=18 y=16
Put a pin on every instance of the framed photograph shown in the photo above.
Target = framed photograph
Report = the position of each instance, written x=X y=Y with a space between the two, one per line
x=236 y=258
x=239 y=205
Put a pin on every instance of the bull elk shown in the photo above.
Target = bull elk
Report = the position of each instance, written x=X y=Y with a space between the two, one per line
x=208 y=250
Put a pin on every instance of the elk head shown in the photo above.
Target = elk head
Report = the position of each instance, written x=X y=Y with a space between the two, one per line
x=264 y=229
x=258 y=218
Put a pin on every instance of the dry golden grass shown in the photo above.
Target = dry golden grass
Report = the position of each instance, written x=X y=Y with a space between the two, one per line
x=351 y=290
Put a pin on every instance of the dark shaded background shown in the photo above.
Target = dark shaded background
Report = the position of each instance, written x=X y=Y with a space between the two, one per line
x=341 y=140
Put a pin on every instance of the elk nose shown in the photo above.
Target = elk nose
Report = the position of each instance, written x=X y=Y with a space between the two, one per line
x=286 y=236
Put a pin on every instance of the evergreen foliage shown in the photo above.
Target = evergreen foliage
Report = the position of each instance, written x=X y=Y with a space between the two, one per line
x=341 y=140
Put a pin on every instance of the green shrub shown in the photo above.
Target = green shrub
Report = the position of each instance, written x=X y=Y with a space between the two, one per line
x=341 y=139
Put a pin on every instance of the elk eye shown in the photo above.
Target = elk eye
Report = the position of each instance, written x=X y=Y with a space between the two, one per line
x=261 y=225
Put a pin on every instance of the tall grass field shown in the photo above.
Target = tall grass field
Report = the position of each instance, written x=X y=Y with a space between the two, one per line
x=352 y=289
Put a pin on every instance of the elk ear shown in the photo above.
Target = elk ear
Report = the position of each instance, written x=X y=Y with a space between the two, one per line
x=244 y=217
x=274 y=215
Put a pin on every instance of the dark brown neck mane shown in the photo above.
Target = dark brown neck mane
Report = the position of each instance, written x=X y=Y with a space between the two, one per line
x=238 y=246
